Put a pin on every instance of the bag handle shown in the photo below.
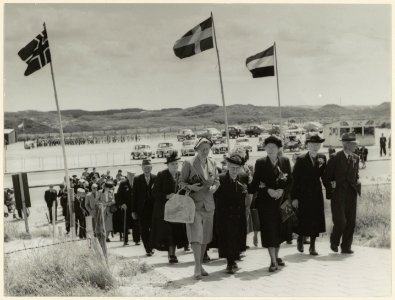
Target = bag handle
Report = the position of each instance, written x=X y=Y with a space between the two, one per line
x=187 y=191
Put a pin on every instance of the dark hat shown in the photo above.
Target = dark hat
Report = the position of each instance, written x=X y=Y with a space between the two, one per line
x=74 y=176
x=235 y=159
x=203 y=140
x=314 y=138
x=85 y=168
x=119 y=171
x=146 y=162
x=109 y=184
x=172 y=157
x=273 y=140
x=349 y=137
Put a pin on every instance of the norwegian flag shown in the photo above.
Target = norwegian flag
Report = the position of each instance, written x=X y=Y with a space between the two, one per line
x=36 y=54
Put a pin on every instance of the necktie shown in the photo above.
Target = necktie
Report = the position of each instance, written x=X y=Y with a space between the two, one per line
x=147 y=180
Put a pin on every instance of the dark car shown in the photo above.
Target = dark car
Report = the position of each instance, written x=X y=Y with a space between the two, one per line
x=254 y=130
x=165 y=150
x=234 y=132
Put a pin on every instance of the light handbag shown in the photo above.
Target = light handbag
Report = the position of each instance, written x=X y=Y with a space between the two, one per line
x=180 y=209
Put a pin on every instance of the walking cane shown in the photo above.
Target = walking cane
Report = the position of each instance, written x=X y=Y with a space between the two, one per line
x=125 y=232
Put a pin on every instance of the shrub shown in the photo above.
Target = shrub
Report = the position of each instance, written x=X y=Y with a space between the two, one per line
x=129 y=268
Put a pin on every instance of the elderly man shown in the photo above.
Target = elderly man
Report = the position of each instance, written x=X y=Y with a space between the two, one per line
x=80 y=212
x=341 y=175
x=90 y=202
x=200 y=176
x=51 y=198
x=143 y=203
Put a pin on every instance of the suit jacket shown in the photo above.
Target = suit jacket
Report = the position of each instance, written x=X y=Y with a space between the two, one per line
x=191 y=173
x=142 y=196
x=50 y=197
x=343 y=173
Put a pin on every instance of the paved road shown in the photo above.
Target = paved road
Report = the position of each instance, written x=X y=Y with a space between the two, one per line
x=365 y=273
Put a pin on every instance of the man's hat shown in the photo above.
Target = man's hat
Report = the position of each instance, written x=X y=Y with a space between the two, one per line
x=109 y=184
x=314 y=138
x=146 y=162
x=203 y=140
x=171 y=158
x=349 y=137
x=235 y=159
x=273 y=140
x=119 y=171
x=85 y=168
x=74 y=176
x=81 y=191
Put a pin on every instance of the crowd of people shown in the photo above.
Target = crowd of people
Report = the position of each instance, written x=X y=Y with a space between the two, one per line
x=231 y=200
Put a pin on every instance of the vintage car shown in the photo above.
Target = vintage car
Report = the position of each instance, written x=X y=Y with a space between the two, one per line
x=142 y=152
x=165 y=149
x=292 y=143
x=234 y=132
x=185 y=134
x=188 y=148
x=30 y=145
x=245 y=143
x=220 y=146
x=210 y=133
x=254 y=130
x=261 y=140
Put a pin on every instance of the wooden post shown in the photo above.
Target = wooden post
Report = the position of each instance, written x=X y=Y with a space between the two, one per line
x=278 y=89
x=54 y=212
x=25 y=217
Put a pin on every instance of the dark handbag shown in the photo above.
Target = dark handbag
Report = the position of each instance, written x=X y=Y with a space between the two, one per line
x=287 y=211
x=256 y=225
x=113 y=208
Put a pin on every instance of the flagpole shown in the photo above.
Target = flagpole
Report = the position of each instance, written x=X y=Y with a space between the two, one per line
x=63 y=147
x=278 y=89
x=222 y=87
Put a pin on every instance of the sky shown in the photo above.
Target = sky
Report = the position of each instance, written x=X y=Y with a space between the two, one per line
x=114 y=56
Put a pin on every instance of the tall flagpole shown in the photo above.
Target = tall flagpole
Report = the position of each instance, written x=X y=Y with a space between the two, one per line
x=63 y=146
x=222 y=87
x=278 y=89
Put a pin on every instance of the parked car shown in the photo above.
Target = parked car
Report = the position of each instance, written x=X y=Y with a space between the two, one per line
x=165 y=149
x=234 y=132
x=254 y=130
x=261 y=140
x=188 y=148
x=142 y=152
x=210 y=133
x=185 y=134
x=220 y=146
x=292 y=143
x=245 y=143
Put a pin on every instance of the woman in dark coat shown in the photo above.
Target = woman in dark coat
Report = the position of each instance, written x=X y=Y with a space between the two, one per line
x=166 y=236
x=307 y=193
x=231 y=225
x=272 y=180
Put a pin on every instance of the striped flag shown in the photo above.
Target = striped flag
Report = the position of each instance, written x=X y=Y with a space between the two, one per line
x=262 y=64
x=36 y=54
x=196 y=40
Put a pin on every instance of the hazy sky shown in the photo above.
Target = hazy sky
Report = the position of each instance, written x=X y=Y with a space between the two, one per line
x=111 y=56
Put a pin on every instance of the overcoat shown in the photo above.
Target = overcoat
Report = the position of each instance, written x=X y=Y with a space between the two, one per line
x=165 y=234
x=142 y=196
x=231 y=223
x=307 y=189
x=273 y=232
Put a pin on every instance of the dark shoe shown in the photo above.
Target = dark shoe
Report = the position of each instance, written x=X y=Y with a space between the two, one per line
x=149 y=253
x=126 y=244
x=108 y=240
x=313 y=252
x=347 y=251
x=334 y=248
x=280 y=262
x=235 y=266
x=230 y=270
x=206 y=258
x=273 y=267
x=173 y=259
x=299 y=246
x=186 y=248
x=247 y=247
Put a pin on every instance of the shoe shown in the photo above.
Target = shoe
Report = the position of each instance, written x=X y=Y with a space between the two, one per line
x=206 y=258
x=173 y=259
x=280 y=262
x=108 y=240
x=235 y=266
x=347 y=251
x=230 y=269
x=313 y=252
x=126 y=244
x=149 y=254
x=197 y=276
x=204 y=272
x=255 y=241
x=247 y=247
x=186 y=249
x=299 y=246
x=273 y=267
x=334 y=248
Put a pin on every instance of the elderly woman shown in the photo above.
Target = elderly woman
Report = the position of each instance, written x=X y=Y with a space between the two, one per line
x=272 y=180
x=200 y=176
x=106 y=199
x=166 y=236
x=230 y=211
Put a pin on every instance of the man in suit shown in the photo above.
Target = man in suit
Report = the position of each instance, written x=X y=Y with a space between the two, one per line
x=383 y=143
x=90 y=202
x=342 y=178
x=51 y=198
x=143 y=203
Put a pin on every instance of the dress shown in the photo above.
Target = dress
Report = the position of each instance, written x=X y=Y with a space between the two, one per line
x=102 y=210
x=273 y=232
x=163 y=233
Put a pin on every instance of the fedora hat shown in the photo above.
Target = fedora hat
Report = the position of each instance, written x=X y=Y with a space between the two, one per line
x=171 y=158
x=235 y=159
x=349 y=137
x=203 y=140
x=273 y=140
x=314 y=138
x=146 y=162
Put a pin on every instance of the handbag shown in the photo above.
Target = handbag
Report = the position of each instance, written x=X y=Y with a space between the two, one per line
x=287 y=211
x=180 y=209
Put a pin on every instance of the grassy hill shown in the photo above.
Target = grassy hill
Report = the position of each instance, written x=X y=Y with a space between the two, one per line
x=205 y=114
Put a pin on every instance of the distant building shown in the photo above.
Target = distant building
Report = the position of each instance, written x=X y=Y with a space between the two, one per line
x=9 y=136
x=364 y=131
